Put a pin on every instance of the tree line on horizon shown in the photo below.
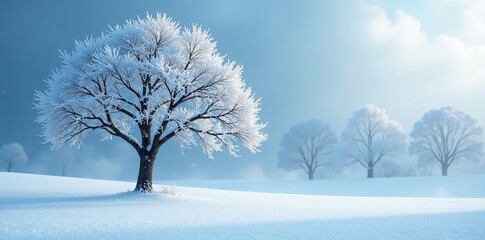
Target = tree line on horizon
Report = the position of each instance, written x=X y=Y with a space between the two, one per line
x=441 y=137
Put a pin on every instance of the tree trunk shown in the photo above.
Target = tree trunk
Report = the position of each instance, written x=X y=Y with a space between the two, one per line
x=444 y=170
x=370 y=172
x=144 y=182
x=310 y=175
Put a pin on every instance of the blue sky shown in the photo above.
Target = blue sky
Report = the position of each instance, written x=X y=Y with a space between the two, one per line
x=305 y=59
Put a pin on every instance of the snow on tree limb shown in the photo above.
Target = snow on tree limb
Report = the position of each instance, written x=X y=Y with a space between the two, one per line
x=446 y=135
x=148 y=81
x=371 y=137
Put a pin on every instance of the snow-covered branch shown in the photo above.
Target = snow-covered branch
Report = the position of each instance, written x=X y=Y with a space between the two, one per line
x=370 y=138
x=146 y=82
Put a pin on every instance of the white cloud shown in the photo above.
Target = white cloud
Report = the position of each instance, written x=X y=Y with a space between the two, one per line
x=404 y=32
x=473 y=14
x=447 y=60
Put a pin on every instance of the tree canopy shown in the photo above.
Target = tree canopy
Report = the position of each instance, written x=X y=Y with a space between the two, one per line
x=146 y=82
x=307 y=146
x=12 y=154
x=371 y=137
x=446 y=135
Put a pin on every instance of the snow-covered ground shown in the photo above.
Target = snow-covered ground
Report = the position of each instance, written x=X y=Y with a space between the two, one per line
x=47 y=207
x=436 y=186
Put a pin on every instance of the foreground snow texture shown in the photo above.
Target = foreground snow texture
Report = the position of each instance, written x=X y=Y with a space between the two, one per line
x=46 y=207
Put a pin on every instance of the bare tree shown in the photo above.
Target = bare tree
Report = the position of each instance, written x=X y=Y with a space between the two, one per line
x=12 y=154
x=306 y=146
x=446 y=135
x=64 y=164
x=371 y=137
x=147 y=82
x=395 y=169
x=390 y=169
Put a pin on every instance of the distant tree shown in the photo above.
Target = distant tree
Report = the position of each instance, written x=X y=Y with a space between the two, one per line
x=371 y=137
x=306 y=146
x=390 y=169
x=12 y=154
x=147 y=82
x=395 y=169
x=446 y=135
x=64 y=164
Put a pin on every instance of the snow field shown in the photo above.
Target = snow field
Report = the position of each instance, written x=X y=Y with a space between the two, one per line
x=47 y=207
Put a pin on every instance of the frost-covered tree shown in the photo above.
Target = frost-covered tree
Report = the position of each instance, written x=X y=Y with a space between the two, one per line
x=446 y=135
x=148 y=82
x=306 y=146
x=371 y=137
x=12 y=154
